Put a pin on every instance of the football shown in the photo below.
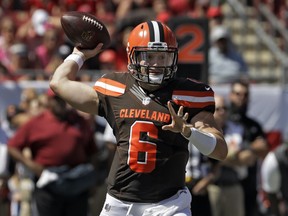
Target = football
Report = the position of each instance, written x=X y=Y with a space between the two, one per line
x=84 y=30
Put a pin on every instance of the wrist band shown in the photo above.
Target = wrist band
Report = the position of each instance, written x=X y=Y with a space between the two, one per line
x=76 y=58
x=204 y=142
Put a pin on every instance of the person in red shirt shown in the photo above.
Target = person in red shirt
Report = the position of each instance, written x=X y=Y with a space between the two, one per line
x=58 y=137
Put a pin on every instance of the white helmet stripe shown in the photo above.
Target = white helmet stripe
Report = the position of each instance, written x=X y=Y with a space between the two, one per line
x=156 y=31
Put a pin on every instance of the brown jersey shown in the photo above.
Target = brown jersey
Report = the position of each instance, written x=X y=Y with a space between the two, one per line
x=149 y=163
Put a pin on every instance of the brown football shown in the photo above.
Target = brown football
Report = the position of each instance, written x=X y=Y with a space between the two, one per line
x=84 y=30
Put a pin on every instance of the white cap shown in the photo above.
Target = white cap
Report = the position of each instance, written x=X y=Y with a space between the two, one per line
x=219 y=32
x=19 y=49
x=39 y=20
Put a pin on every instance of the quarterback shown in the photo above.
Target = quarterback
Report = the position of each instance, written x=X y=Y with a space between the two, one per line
x=154 y=116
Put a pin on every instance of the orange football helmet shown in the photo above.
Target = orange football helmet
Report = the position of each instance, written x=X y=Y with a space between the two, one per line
x=152 y=52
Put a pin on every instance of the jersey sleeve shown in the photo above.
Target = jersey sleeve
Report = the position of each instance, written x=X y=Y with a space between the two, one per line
x=107 y=86
x=194 y=96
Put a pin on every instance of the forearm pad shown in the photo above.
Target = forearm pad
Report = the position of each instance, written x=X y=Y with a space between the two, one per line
x=204 y=142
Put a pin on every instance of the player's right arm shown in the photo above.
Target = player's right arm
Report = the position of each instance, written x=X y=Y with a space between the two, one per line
x=79 y=95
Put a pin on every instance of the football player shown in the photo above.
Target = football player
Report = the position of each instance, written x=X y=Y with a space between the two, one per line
x=154 y=116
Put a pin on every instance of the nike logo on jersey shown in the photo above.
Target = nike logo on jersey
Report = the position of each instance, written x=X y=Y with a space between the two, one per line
x=207 y=88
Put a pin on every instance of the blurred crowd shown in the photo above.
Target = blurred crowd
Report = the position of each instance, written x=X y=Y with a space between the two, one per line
x=32 y=45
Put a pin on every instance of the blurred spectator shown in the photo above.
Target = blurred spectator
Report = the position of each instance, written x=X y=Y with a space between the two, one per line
x=20 y=61
x=73 y=5
x=126 y=8
x=21 y=186
x=200 y=8
x=47 y=55
x=34 y=4
x=253 y=139
x=64 y=50
x=4 y=74
x=62 y=145
x=7 y=124
x=128 y=14
x=226 y=193
x=274 y=176
x=3 y=137
x=37 y=105
x=118 y=46
x=32 y=31
x=225 y=63
x=108 y=61
x=27 y=95
x=215 y=16
x=7 y=39
x=19 y=182
x=4 y=174
x=178 y=7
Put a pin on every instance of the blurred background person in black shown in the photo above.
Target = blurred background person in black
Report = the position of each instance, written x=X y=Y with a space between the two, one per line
x=254 y=143
x=226 y=192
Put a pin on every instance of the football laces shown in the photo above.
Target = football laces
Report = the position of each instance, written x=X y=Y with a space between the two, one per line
x=93 y=22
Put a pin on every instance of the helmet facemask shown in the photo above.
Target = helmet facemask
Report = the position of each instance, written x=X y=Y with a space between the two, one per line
x=154 y=64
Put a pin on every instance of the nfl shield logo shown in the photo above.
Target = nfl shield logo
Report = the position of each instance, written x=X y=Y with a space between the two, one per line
x=146 y=100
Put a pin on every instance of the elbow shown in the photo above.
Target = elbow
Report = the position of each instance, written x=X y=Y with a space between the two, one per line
x=54 y=85
x=223 y=152
x=223 y=155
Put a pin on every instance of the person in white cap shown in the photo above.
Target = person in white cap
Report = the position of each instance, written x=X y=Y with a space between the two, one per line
x=39 y=21
x=33 y=30
x=225 y=63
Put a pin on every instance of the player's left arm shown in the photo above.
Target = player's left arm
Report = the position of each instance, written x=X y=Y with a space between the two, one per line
x=202 y=131
x=204 y=123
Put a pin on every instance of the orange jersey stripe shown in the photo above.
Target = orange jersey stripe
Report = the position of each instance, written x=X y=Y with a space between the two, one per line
x=109 y=87
x=193 y=99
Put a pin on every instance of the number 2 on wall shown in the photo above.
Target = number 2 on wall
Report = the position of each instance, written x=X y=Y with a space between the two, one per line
x=188 y=52
x=146 y=149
